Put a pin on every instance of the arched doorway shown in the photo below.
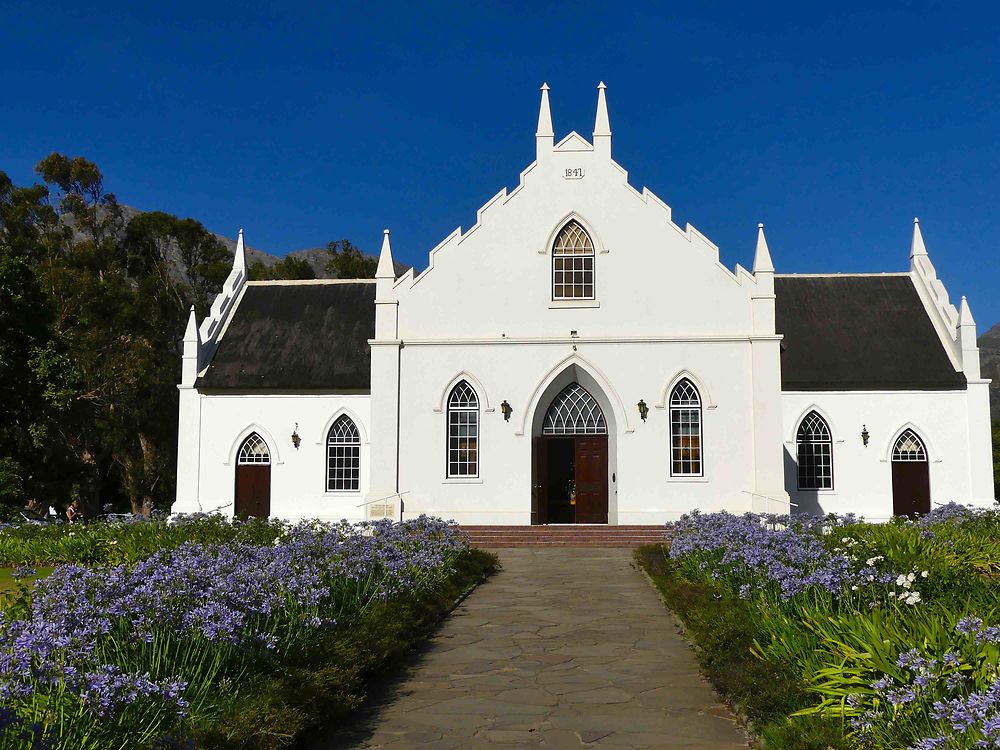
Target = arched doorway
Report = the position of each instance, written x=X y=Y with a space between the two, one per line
x=253 y=478
x=911 y=481
x=570 y=461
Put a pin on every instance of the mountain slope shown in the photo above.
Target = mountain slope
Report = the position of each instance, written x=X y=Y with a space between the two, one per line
x=989 y=357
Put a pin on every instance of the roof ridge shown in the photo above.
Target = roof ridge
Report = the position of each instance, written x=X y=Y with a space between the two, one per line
x=839 y=275
x=308 y=282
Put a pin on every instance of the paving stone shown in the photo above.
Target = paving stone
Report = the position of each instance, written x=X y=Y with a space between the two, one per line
x=564 y=648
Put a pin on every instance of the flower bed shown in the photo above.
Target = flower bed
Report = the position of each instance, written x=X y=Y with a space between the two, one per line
x=830 y=632
x=229 y=645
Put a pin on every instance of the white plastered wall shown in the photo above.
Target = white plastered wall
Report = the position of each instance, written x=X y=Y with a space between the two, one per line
x=298 y=476
x=863 y=475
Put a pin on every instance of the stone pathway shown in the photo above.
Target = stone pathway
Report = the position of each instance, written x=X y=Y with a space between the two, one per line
x=565 y=648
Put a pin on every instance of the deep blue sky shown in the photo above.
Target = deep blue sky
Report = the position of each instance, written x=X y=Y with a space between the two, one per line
x=834 y=123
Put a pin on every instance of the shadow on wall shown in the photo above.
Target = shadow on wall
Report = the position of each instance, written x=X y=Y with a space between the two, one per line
x=807 y=500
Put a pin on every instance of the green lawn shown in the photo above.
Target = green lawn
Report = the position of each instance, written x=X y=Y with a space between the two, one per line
x=8 y=583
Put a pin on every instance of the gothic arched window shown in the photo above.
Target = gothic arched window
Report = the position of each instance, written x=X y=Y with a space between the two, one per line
x=463 y=431
x=572 y=263
x=343 y=456
x=909 y=447
x=254 y=451
x=574 y=412
x=685 y=430
x=814 y=447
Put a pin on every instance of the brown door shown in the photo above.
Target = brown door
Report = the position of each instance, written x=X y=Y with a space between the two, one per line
x=253 y=490
x=539 y=481
x=592 y=479
x=911 y=488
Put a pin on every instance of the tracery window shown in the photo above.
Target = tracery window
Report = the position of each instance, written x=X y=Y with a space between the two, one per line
x=343 y=456
x=463 y=431
x=574 y=412
x=573 y=263
x=909 y=447
x=814 y=446
x=254 y=451
x=685 y=430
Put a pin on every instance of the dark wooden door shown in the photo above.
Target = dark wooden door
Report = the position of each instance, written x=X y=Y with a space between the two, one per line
x=911 y=487
x=539 y=481
x=253 y=490
x=592 y=479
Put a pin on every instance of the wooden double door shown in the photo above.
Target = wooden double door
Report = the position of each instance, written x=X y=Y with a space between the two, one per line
x=911 y=488
x=569 y=479
x=253 y=490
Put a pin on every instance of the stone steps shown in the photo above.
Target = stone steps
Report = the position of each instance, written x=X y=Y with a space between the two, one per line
x=569 y=535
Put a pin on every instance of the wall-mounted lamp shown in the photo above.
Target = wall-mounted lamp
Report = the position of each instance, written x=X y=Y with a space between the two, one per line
x=643 y=410
x=864 y=435
x=296 y=440
x=506 y=410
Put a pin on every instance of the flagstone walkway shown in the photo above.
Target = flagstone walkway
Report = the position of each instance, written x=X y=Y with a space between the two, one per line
x=565 y=648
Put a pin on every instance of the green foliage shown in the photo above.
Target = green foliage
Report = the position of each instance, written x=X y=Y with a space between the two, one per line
x=288 y=268
x=797 y=663
x=325 y=678
x=348 y=262
x=726 y=630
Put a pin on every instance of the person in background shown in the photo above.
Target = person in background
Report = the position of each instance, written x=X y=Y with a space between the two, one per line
x=73 y=512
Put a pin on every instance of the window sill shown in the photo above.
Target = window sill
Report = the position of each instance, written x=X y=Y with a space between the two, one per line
x=462 y=480
x=813 y=492
x=573 y=303
x=685 y=480
x=342 y=493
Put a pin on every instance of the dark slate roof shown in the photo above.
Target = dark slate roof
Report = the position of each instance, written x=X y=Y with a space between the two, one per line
x=297 y=337
x=858 y=333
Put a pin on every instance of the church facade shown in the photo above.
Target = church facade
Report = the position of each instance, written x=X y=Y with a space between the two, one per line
x=577 y=357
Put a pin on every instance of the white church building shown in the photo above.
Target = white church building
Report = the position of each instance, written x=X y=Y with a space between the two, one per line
x=577 y=357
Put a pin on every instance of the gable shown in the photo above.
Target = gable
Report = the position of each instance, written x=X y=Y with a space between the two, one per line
x=297 y=336
x=858 y=333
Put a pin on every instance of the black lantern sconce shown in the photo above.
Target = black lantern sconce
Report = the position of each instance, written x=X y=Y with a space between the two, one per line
x=506 y=410
x=643 y=410
x=864 y=435
x=296 y=440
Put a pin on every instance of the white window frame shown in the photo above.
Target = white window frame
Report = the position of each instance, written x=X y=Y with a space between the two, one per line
x=463 y=413
x=685 y=398
x=559 y=253
x=344 y=446
x=811 y=440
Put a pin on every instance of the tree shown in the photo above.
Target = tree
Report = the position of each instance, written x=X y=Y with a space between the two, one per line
x=348 y=262
x=288 y=268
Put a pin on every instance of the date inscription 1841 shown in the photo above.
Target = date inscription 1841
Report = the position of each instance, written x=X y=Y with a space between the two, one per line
x=574 y=173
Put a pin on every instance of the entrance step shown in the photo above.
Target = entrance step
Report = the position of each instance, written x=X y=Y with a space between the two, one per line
x=570 y=535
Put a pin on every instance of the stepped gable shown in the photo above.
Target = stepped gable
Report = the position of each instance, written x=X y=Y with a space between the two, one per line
x=858 y=333
x=303 y=336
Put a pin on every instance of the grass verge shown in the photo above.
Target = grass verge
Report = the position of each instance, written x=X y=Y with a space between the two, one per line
x=723 y=628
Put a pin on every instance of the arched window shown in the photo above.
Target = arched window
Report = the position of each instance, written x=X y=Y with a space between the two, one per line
x=909 y=447
x=814 y=446
x=573 y=263
x=343 y=456
x=574 y=412
x=685 y=430
x=254 y=451
x=463 y=431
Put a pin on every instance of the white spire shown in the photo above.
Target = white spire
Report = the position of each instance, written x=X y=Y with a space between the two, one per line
x=762 y=257
x=191 y=332
x=602 y=125
x=544 y=116
x=917 y=247
x=385 y=269
x=240 y=256
x=965 y=314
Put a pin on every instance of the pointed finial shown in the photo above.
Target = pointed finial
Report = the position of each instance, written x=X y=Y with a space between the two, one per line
x=385 y=269
x=602 y=125
x=965 y=314
x=544 y=116
x=917 y=247
x=191 y=332
x=240 y=256
x=762 y=257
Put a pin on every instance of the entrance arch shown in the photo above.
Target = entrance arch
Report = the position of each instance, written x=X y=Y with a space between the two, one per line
x=253 y=478
x=572 y=452
x=911 y=480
